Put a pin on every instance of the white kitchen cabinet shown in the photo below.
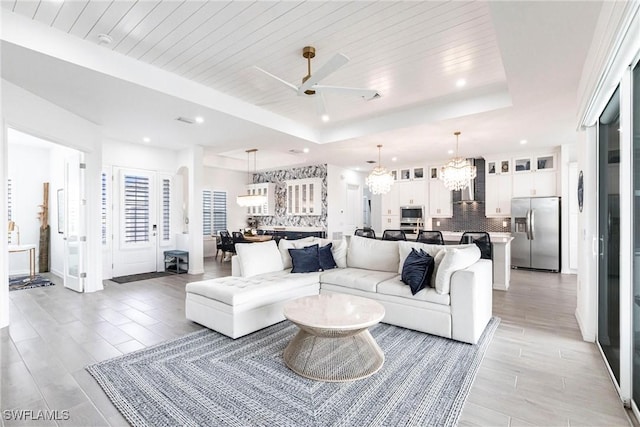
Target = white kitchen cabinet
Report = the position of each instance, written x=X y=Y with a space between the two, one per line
x=535 y=176
x=498 y=167
x=304 y=196
x=412 y=193
x=498 y=195
x=440 y=202
x=390 y=222
x=263 y=189
x=389 y=202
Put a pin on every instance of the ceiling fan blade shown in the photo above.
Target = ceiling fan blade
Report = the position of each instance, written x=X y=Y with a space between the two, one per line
x=321 y=107
x=334 y=63
x=367 y=94
x=294 y=87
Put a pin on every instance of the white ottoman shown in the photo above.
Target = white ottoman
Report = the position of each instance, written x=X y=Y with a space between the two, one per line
x=237 y=306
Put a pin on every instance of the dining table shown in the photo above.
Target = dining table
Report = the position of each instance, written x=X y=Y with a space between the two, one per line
x=257 y=237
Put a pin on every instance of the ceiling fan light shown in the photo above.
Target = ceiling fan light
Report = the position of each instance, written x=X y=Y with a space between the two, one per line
x=325 y=118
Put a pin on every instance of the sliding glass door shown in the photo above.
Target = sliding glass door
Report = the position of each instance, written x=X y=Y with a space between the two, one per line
x=635 y=142
x=609 y=234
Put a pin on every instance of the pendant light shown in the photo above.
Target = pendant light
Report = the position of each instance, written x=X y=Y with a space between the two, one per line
x=380 y=179
x=458 y=171
x=248 y=200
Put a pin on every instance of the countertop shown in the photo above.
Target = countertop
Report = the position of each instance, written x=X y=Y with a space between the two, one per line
x=496 y=237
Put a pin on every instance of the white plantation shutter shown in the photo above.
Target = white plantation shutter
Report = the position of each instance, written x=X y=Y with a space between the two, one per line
x=219 y=211
x=103 y=207
x=207 y=212
x=166 y=209
x=9 y=201
x=136 y=209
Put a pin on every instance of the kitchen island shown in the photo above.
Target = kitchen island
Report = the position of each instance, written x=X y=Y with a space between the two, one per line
x=501 y=243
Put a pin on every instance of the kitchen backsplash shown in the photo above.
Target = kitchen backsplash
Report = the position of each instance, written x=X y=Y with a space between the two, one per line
x=278 y=177
x=470 y=216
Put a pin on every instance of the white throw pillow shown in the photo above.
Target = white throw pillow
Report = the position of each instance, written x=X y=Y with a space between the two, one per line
x=338 y=250
x=372 y=254
x=454 y=259
x=258 y=258
x=284 y=245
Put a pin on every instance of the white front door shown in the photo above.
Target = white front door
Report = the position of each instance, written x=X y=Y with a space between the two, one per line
x=135 y=225
x=74 y=223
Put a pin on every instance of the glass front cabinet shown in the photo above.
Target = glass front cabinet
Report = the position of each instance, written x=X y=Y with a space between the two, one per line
x=304 y=196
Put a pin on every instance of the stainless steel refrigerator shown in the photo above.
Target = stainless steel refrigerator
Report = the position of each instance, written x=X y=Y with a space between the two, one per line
x=535 y=227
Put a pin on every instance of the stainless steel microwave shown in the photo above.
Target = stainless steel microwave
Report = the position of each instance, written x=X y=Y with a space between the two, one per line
x=411 y=213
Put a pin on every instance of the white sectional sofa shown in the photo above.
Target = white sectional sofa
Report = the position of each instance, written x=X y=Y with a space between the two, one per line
x=457 y=306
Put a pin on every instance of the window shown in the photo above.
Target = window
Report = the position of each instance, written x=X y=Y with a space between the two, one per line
x=214 y=212
x=166 y=209
x=136 y=209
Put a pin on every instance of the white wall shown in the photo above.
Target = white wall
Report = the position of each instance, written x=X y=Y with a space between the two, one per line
x=191 y=159
x=587 y=283
x=337 y=181
x=28 y=170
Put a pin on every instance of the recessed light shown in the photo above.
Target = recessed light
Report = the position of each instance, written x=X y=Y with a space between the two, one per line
x=146 y=139
x=357 y=168
x=394 y=159
x=450 y=152
x=199 y=119
x=325 y=118
x=305 y=150
x=523 y=141
x=461 y=82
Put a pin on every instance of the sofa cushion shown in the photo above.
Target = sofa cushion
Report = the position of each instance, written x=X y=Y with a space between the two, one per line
x=284 y=245
x=356 y=278
x=258 y=258
x=305 y=260
x=338 y=250
x=417 y=270
x=454 y=259
x=372 y=254
x=265 y=288
x=395 y=287
x=325 y=257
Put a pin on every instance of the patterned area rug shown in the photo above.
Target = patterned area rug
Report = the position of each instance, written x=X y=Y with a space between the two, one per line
x=141 y=276
x=207 y=379
x=17 y=283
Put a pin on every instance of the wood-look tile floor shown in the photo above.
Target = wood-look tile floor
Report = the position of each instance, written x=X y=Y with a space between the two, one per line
x=537 y=371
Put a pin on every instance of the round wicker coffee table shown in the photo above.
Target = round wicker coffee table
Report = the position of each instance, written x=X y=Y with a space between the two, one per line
x=333 y=343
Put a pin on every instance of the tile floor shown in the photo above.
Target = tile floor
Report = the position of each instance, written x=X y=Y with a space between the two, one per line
x=537 y=370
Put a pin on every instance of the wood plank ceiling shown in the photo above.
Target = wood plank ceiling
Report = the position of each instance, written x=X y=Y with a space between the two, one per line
x=412 y=52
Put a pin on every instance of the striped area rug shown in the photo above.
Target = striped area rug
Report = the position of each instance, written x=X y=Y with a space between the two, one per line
x=207 y=379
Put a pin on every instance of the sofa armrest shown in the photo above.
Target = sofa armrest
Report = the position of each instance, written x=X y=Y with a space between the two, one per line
x=236 y=269
x=471 y=301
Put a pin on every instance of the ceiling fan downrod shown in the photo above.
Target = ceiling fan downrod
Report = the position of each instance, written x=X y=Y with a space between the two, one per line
x=308 y=52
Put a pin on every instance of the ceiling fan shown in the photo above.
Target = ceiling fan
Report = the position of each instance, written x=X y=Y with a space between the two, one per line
x=310 y=83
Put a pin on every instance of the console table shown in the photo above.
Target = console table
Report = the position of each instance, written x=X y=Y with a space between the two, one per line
x=31 y=249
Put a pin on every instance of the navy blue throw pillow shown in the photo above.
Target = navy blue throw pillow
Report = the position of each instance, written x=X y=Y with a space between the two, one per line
x=305 y=260
x=417 y=270
x=326 y=257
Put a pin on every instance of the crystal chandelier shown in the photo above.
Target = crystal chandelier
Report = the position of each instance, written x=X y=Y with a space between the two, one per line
x=247 y=200
x=457 y=173
x=380 y=179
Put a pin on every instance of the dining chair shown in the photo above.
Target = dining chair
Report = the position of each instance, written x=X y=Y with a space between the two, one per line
x=225 y=244
x=482 y=241
x=394 y=235
x=238 y=237
x=365 y=232
x=430 y=236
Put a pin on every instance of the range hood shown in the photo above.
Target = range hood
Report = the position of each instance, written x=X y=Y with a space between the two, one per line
x=470 y=193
